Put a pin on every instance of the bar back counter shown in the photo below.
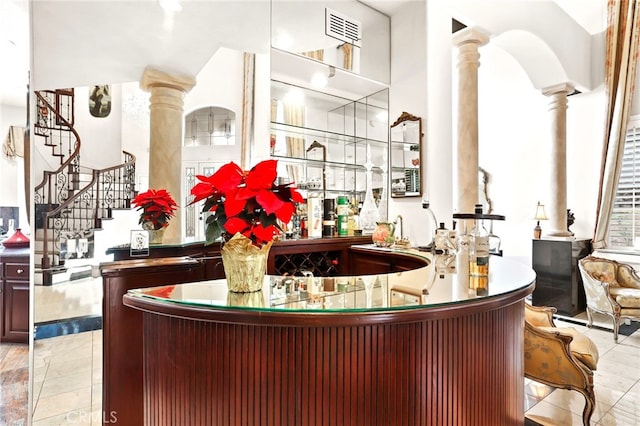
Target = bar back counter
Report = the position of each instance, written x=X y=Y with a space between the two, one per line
x=396 y=347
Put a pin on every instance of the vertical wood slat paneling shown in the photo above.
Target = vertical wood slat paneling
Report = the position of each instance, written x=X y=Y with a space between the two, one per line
x=456 y=371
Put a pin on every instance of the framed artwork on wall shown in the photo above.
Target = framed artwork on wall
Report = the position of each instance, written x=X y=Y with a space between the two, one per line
x=100 y=101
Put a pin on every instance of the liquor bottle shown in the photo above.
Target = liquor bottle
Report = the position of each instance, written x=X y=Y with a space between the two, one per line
x=463 y=260
x=479 y=257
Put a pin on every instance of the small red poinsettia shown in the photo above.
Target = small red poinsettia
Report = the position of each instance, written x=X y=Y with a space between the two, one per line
x=249 y=203
x=156 y=206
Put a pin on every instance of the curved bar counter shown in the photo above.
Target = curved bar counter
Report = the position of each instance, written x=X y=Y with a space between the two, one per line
x=405 y=348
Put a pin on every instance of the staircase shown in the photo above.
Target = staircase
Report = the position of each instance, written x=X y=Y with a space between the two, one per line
x=72 y=201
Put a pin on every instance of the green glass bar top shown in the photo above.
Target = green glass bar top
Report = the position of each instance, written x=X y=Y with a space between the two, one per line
x=434 y=285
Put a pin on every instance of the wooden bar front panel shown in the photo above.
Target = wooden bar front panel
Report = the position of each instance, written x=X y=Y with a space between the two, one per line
x=122 y=330
x=455 y=370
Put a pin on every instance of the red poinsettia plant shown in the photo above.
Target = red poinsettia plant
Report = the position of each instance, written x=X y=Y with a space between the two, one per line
x=246 y=202
x=156 y=208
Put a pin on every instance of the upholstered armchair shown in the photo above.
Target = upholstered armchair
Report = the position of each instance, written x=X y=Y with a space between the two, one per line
x=612 y=288
x=558 y=356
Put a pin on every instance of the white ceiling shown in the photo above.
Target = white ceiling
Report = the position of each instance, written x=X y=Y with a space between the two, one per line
x=82 y=42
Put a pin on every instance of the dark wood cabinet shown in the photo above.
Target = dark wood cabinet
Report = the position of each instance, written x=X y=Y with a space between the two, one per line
x=322 y=256
x=558 y=281
x=365 y=261
x=14 y=295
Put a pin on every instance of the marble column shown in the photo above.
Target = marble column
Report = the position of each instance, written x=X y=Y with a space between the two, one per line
x=557 y=210
x=165 y=147
x=468 y=41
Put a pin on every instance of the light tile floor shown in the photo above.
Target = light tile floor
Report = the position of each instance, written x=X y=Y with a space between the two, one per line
x=68 y=380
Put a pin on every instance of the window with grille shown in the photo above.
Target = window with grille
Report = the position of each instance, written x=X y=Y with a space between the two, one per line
x=624 y=227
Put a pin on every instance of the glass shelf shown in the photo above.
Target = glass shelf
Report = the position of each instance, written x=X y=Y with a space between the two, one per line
x=319 y=163
x=325 y=135
x=325 y=140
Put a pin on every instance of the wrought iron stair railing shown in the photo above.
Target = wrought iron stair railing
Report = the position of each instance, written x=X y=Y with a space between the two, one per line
x=64 y=204
x=83 y=212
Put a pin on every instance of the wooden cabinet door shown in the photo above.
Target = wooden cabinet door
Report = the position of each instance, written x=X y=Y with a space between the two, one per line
x=15 y=311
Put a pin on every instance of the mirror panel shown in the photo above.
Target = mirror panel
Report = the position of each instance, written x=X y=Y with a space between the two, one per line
x=405 y=156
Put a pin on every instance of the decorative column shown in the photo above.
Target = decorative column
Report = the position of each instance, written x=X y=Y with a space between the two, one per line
x=468 y=41
x=558 y=118
x=165 y=147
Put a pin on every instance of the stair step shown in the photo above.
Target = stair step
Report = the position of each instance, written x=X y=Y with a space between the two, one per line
x=50 y=276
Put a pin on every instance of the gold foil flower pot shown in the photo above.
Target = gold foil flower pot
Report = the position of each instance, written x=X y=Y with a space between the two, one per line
x=244 y=264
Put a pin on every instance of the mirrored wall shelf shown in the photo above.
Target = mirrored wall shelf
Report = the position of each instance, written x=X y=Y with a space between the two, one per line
x=299 y=70
x=324 y=136
x=323 y=141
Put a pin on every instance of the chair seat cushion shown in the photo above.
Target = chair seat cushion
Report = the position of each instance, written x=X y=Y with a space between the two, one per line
x=626 y=297
x=581 y=346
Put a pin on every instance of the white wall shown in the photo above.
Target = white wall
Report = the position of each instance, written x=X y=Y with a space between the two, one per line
x=218 y=84
x=514 y=133
x=135 y=130
x=101 y=144
x=421 y=79
x=515 y=145
x=9 y=176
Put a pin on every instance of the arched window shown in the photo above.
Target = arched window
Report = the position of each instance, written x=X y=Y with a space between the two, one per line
x=210 y=126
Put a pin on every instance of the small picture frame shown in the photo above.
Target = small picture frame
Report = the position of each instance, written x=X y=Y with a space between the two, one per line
x=139 y=245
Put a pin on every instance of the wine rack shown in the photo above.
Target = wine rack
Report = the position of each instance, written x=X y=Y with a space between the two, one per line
x=320 y=263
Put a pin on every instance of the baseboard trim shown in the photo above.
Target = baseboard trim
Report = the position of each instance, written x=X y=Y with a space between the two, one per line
x=44 y=330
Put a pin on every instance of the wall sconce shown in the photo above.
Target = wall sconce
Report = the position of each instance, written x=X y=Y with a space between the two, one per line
x=540 y=215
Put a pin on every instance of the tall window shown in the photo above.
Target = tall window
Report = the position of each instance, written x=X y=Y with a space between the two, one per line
x=624 y=228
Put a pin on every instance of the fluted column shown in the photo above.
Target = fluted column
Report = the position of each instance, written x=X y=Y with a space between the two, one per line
x=165 y=147
x=468 y=41
x=557 y=210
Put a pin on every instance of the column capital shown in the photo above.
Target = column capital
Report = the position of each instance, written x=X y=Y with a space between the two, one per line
x=557 y=89
x=470 y=35
x=152 y=77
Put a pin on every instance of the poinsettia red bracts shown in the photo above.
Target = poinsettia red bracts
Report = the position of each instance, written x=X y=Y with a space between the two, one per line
x=243 y=202
x=156 y=206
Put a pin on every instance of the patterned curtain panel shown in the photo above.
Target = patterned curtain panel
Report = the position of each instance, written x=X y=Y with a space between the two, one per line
x=294 y=115
x=347 y=60
x=623 y=30
x=248 y=107
x=274 y=118
x=315 y=54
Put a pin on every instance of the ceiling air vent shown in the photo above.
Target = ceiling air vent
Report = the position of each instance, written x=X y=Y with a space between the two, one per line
x=343 y=28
